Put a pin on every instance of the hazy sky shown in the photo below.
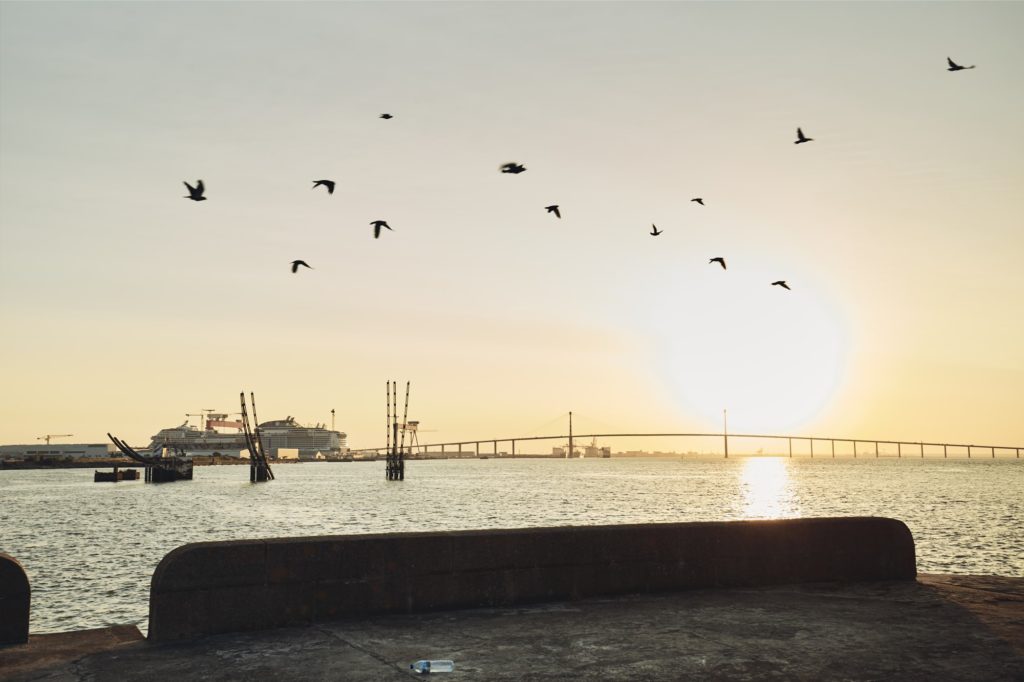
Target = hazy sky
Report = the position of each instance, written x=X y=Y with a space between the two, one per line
x=900 y=228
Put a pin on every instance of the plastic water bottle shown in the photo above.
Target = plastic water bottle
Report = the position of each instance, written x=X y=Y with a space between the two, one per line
x=442 y=666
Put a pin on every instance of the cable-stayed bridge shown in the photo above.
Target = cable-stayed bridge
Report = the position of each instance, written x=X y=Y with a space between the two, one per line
x=812 y=446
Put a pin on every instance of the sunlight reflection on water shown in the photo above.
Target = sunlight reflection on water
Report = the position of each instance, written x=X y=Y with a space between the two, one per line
x=765 y=486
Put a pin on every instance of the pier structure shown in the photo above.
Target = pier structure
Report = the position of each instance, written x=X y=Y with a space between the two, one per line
x=159 y=469
x=259 y=465
x=395 y=467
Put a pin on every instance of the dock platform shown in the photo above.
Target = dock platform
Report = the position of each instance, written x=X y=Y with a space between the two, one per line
x=939 y=627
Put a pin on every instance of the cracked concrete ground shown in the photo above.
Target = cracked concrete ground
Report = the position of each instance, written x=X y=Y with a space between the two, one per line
x=939 y=628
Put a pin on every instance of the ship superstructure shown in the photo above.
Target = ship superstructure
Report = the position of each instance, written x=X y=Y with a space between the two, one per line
x=309 y=441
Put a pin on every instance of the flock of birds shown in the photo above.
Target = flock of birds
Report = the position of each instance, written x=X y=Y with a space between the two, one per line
x=196 y=193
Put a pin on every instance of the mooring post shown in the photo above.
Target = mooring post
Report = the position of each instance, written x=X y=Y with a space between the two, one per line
x=968 y=452
x=993 y=454
x=945 y=451
x=725 y=431
x=876 y=449
x=899 y=449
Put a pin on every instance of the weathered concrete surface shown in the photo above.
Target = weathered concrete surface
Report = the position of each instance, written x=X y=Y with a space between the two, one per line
x=60 y=650
x=937 y=628
x=15 y=599
x=208 y=588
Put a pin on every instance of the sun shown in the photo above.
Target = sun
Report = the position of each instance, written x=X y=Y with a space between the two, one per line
x=774 y=359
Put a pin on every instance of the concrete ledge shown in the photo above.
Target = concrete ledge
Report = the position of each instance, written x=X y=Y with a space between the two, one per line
x=217 y=587
x=15 y=600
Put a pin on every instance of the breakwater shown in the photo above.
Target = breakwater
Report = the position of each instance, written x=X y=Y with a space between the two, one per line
x=215 y=587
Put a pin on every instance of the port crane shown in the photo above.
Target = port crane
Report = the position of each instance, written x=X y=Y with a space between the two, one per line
x=413 y=428
x=48 y=436
x=203 y=415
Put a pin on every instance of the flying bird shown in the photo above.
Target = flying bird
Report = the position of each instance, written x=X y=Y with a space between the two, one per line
x=553 y=208
x=781 y=283
x=196 y=193
x=719 y=260
x=377 y=224
x=512 y=167
x=953 y=66
x=386 y=116
x=329 y=184
x=297 y=263
x=655 y=231
x=698 y=200
x=800 y=137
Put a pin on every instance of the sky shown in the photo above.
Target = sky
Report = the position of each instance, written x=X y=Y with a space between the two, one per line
x=900 y=228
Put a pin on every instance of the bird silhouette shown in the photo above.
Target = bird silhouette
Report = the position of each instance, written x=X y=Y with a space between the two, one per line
x=377 y=224
x=719 y=260
x=329 y=184
x=781 y=283
x=655 y=231
x=953 y=66
x=297 y=263
x=553 y=208
x=512 y=167
x=698 y=200
x=800 y=137
x=196 y=193
x=386 y=116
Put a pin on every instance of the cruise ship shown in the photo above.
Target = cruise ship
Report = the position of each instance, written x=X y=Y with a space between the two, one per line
x=282 y=439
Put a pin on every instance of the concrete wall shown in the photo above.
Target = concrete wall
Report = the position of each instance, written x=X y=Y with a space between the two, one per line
x=15 y=598
x=213 y=587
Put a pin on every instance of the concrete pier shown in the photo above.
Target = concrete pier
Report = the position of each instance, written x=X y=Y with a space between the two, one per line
x=935 y=628
x=209 y=588
x=803 y=599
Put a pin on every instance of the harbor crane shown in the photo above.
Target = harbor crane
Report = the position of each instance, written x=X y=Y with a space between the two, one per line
x=204 y=415
x=413 y=428
x=48 y=436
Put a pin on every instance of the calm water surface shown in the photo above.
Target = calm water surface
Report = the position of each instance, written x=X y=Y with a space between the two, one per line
x=90 y=548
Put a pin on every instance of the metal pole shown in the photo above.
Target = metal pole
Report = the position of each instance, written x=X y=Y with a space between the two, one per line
x=569 y=454
x=387 y=427
x=405 y=416
x=725 y=431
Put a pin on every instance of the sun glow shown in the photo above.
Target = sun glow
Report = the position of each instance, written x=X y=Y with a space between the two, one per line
x=774 y=359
